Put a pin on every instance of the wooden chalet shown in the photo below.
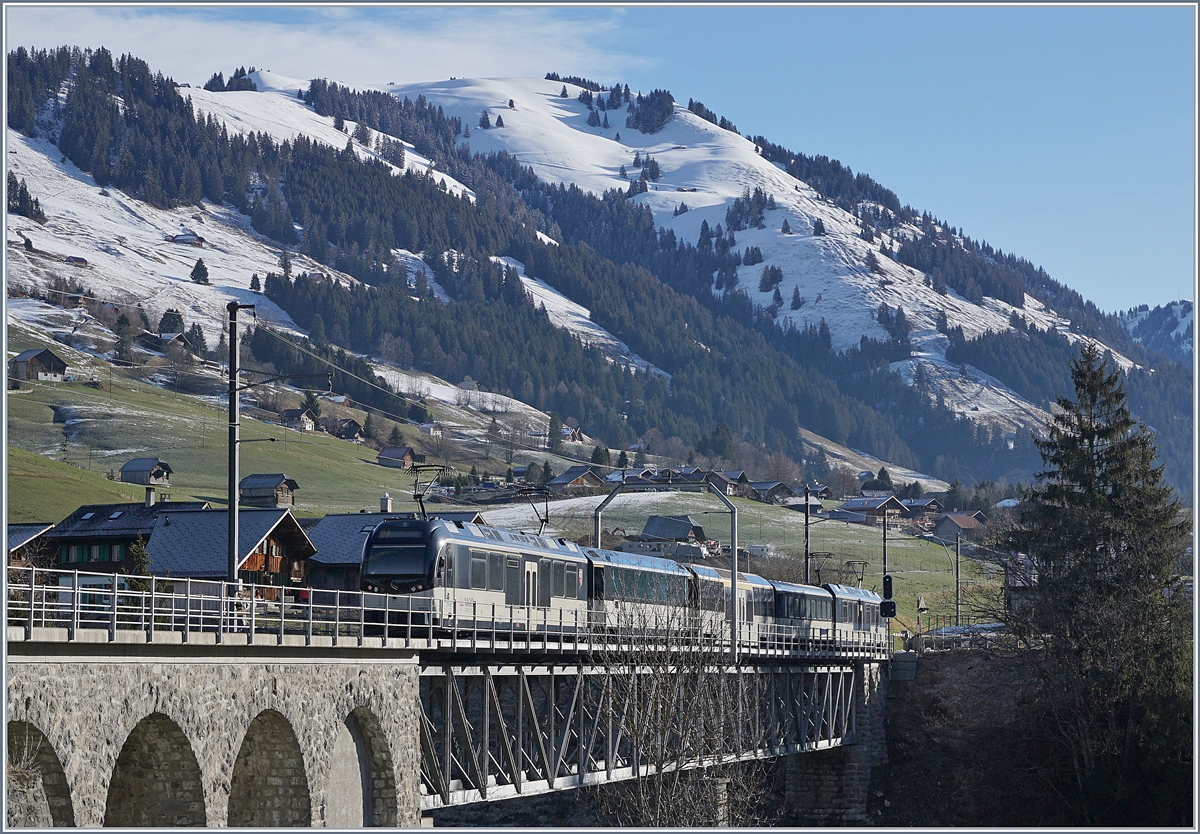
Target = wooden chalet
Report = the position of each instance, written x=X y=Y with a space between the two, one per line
x=399 y=457
x=576 y=479
x=348 y=429
x=146 y=471
x=36 y=365
x=274 y=490
x=97 y=537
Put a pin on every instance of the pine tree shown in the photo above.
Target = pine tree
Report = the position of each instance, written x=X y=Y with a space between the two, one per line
x=796 y=302
x=1104 y=538
x=499 y=121
x=785 y=228
x=563 y=94
x=485 y=121
x=623 y=460
x=818 y=227
x=777 y=298
x=395 y=438
x=196 y=341
x=547 y=472
x=312 y=404
x=199 y=272
x=171 y=322
x=554 y=435
x=255 y=284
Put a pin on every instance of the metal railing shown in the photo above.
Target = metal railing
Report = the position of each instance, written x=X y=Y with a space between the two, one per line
x=58 y=605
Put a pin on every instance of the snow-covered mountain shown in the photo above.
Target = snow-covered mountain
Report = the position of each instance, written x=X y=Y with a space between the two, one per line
x=1169 y=329
x=125 y=244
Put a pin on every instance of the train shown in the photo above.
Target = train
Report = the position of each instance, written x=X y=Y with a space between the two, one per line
x=482 y=577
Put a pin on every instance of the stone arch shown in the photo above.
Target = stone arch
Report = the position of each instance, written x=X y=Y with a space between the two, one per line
x=156 y=780
x=361 y=788
x=38 y=795
x=269 y=786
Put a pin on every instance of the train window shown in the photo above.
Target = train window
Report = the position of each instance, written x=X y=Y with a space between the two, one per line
x=559 y=579
x=398 y=560
x=478 y=570
x=495 y=571
x=572 y=582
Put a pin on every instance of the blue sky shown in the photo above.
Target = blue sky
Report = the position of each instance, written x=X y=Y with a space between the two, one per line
x=1065 y=135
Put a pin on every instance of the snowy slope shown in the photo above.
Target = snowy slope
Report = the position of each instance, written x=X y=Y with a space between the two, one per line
x=702 y=165
x=707 y=168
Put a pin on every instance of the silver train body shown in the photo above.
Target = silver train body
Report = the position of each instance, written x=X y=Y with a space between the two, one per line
x=479 y=577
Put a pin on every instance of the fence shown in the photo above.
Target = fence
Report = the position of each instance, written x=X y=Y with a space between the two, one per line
x=93 y=607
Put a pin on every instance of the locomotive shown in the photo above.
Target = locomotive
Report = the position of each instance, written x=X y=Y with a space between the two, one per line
x=481 y=576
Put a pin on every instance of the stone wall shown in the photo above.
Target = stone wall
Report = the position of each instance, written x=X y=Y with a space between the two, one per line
x=208 y=740
x=831 y=786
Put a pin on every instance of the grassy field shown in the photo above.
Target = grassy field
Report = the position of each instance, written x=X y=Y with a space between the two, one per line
x=64 y=439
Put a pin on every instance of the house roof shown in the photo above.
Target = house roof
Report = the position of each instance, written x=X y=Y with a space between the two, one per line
x=118 y=520
x=964 y=521
x=921 y=503
x=271 y=481
x=20 y=535
x=671 y=528
x=765 y=486
x=572 y=474
x=196 y=544
x=25 y=356
x=145 y=465
x=865 y=504
x=396 y=452
x=296 y=413
x=339 y=538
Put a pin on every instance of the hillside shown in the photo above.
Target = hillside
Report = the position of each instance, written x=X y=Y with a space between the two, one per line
x=473 y=220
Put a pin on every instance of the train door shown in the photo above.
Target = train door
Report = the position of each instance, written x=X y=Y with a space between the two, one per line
x=512 y=580
x=531 y=583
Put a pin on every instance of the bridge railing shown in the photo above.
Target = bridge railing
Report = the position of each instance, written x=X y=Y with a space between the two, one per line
x=76 y=605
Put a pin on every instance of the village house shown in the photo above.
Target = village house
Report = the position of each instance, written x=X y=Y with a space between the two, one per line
x=97 y=537
x=348 y=429
x=272 y=547
x=671 y=528
x=399 y=457
x=869 y=510
x=576 y=479
x=432 y=429
x=75 y=260
x=274 y=490
x=922 y=507
x=187 y=237
x=26 y=545
x=162 y=342
x=36 y=365
x=146 y=471
x=300 y=419
x=949 y=525
x=770 y=492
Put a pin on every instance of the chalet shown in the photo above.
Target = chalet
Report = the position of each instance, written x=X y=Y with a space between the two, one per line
x=272 y=547
x=949 y=525
x=72 y=300
x=721 y=482
x=571 y=434
x=520 y=473
x=300 y=419
x=875 y=493
x=146 y=471
x=36 y=365
x=274 y=490
x=348 y=429
x=431 y=429
x=575 y=479
x=187 y=237
x=869 y=510
x=73 y=260
x=399 y=457
x=97 y=537
x=921 y=507
x=797 y=504
x=162 y=342
x=770 y=492
x=674 y=528
x=739 y=477
x=820 y=490
x=26 y=543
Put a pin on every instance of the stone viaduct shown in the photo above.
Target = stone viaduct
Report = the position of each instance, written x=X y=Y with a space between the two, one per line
x=158 y=735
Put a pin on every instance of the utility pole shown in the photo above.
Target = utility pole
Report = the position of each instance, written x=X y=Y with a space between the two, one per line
x=806 y=582
x=234 y=430
x=957 y=596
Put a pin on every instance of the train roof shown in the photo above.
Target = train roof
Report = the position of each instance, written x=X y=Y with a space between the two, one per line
x=489 y=535
x=793 y=588
x=636 y=560
x=848 y=592
x=723 y=575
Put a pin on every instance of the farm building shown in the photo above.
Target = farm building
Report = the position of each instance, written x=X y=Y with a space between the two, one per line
x=36 y=365
x=147 y=471
x=274 y=490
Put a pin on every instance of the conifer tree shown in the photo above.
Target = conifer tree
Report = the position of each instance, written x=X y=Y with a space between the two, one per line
x=485 y=121
x=785 y=228
x=499 y=121
x=199 y=272
x=796 y=298
x=395 y=438
x=563 y=94
x=171 y=322
x=255 y=284
x=1102 y=538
